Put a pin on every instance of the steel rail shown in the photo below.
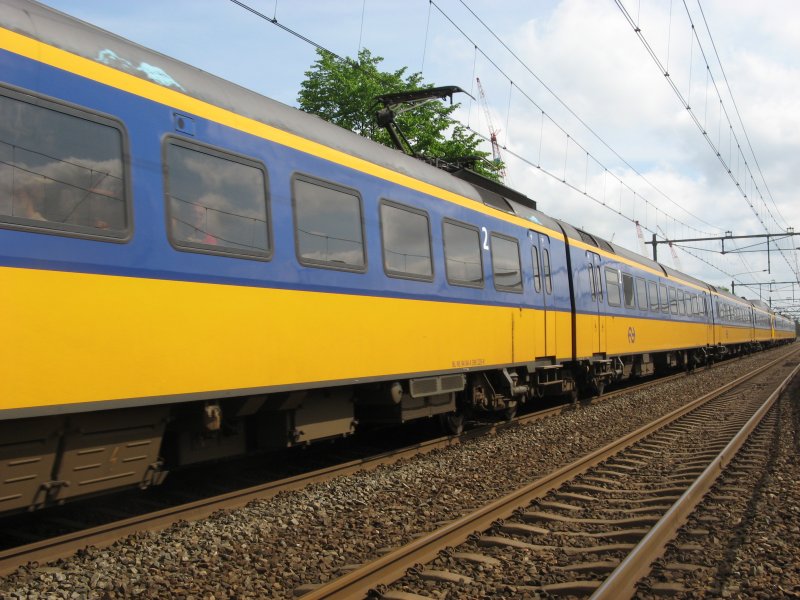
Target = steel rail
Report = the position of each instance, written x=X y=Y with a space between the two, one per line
x=622 y=581
x=393 y=565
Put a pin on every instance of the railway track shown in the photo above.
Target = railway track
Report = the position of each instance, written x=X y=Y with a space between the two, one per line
x=592 y=527
x=44 y=550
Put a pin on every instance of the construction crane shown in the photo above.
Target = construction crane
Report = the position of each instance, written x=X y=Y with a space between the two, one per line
x=640 y=235
x=676 y=262
x=496 y=157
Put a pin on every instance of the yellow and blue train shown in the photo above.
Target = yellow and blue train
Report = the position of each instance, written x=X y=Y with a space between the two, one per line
x=191 y=271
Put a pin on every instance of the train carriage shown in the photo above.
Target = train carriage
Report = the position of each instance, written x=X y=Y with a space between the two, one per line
x=191 y=271
x=733 y=321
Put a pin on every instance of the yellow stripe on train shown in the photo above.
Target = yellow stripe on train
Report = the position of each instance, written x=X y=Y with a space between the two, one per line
x=72 y=337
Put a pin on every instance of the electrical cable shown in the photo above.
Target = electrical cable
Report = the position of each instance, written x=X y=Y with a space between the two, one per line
x=578 y=118
x=694 y=117
x=736 y=108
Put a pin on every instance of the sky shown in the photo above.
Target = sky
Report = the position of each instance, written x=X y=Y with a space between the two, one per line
x=590 y=126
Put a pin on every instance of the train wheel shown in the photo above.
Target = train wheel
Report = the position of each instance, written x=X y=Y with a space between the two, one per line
x=452 y=422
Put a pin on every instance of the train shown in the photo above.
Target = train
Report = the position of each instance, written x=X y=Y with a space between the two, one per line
x=191 y=271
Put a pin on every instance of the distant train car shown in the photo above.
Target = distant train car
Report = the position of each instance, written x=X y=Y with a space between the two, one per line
x=762 y=323
x=191 y=271
x=783 y=329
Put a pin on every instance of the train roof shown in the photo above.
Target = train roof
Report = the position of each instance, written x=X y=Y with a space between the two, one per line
x=685 y=277
x=55 y=28
x=729 y=296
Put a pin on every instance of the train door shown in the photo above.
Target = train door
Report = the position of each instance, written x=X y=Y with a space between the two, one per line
x=543 y=288
x=710 y=319
x=598 y=299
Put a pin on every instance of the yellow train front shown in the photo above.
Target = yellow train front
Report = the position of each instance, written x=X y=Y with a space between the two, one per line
x=191 y=271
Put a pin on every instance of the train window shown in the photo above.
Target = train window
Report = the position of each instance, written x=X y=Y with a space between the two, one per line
x=537 y=277
x=406 y=242
x=598 y=283
x=216 y=202
x=641 y=293
x=664 y=298
x=462 y=254
x=61 y=170
x=548 y=279
x=673 y=301
x=693 y=302
x=590 y=272
x=628 y=291
x=653 y=287
x=681 y=302
x=329 y=225
x=613 y=292
x=505 y=263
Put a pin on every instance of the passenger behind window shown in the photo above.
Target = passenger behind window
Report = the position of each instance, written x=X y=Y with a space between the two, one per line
x=29 y=195
x=104 y=206
x=96 y=205
x=191 y=224
x=40 y=198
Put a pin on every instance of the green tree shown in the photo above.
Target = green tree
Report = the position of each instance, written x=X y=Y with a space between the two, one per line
x=343 y=91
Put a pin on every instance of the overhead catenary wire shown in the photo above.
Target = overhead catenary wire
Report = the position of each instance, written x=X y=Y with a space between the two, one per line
x=738 y=114
x=703 y=129
x=512 y=85
x=577 y=117
x=275 y=22
x=567 y=135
